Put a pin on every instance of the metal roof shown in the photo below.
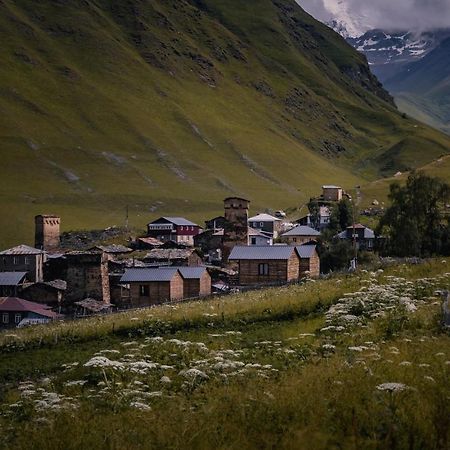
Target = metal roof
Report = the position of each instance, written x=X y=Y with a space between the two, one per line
x=22 y=250
x=264 y=218
x=11 y=278
x=331 y=186
x=145 y=275
x=305 y=251
x=302 y=230
x=266 y=252
x=191 y=273
x=368 y=233
x=175 y=221
x=15 y=304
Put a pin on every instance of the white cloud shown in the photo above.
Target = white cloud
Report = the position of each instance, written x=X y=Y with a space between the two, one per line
x=416 y=15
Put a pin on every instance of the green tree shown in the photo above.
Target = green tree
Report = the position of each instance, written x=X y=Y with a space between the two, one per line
x=345 y=209
x=314 y=211
x=414 y=224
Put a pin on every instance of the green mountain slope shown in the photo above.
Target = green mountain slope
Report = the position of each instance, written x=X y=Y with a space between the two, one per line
x=422 y=89
x=168 y=106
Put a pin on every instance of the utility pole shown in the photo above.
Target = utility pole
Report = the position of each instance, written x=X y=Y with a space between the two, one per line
x=355 y=203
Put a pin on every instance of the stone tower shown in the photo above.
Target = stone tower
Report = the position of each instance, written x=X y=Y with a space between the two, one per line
x=235 y=230
x=47 y=232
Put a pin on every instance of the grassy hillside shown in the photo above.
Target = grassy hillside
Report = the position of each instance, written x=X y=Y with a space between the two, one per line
x=168 y=106
x=339 y=363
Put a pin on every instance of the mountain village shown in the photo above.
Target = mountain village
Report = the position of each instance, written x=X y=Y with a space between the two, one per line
x=175 y=260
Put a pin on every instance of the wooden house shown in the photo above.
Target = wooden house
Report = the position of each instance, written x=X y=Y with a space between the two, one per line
x=309 y=261
x=176 y=229
x=196 y=281
x=300 y=235
x=16 y=311
x=11 y=283
x=152 y=286
x=267 y=264
x=24 y=258
x=216 y=223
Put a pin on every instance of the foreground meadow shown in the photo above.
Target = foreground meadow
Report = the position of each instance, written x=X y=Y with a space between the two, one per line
x=358 y=361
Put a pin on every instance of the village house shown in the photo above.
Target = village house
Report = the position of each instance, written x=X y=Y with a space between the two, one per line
x=235 y=230
x=46 y=292
x=309 y=261
x=300 y=235
x=147 y=243
x=364 y=236
x=323 y=221
x=11 y=283
x=259 y=238
x=331 y=193
x=86 y=276
x=16 y=311
x=176 y=229
x=275 y=264
x=267 y=264
x=196 y=282
x=266 y=223
x=217 y=223
x=151 y=286
x=173 y=257
x=113 y=251
x=24 y=259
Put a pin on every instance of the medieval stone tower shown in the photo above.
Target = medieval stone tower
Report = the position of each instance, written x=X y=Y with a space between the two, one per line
x=47 y=232
x=236 y=225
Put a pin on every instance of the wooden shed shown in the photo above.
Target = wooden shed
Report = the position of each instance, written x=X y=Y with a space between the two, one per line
x=197 y=281
x=152 y=286
x=266 y=264
x=309 y=261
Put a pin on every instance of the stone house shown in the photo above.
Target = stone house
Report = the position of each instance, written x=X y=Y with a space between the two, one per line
x=87 y=276
x=196 y=282
x=235 y=230
x=300 y=235
x=331 y=193
x=16 y=311
x=48 y=292
x=174 y=257
x=11 y=283
x=47 y=232
x=153 y=286
x=24 y=259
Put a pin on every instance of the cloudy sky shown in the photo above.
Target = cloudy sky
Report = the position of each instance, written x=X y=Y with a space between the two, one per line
x=388 y=14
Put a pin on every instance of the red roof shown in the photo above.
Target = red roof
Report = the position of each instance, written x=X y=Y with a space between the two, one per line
x=15 y=304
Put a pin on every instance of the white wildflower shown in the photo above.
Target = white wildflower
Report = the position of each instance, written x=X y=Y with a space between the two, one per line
x=392 y=387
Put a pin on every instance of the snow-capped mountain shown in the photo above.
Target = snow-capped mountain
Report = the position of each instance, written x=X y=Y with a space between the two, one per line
x=345 y=20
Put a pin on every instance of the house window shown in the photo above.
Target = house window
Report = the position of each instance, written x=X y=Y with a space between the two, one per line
x=15 y=260
x=253 y=241
x=17 y=318
x=144 y=290
x=261 y=224
x=5 y=318
x=294 y=239
x=27 y=260
x=263 y=269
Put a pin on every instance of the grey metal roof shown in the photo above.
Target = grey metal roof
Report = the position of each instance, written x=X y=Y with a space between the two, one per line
x=147 y=275
x=22 y=250
x=191 y=272
x=330 y=186
x=176 y=221
x=368 y=233
x=264 y=218
x=302 y=230
x=11 y=278
x=266 y=252
x=306 y=251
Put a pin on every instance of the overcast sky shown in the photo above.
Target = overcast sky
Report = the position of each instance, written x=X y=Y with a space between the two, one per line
x=388 y=14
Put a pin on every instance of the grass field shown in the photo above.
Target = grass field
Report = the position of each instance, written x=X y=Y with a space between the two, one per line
x=103 y=108
x=351 y=362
